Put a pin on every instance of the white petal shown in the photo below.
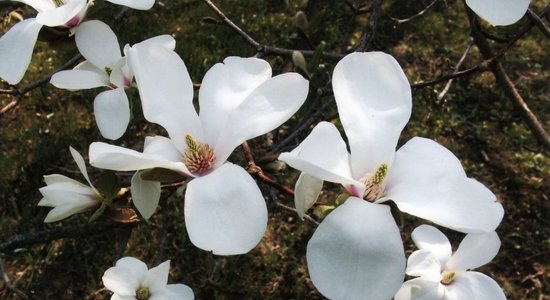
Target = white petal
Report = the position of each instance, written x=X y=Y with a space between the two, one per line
x=111 y=157
x=225 y=211
x=174 y=292
x=420 y=289
x=165 y=40
x=121 y=75
x=157 y=277
x=16 y=47
x=307 y=191
x=473 y=286
x=112 y=113
x=136 y=266
x=166 y=91
x=135 y=4
x=66 y=192
x=374 y=103
x=357 y=251
x=428 y=181
x=61 y=15
x=323 y=153
x=430 y=238
x=499 y=12
x=64 y=211
x=424 y=263
x=98 y=44
x=79 y=160
x=145 y=195
x=79 y=79
x=39 y=5
x=121 y=281
x=57 y=178
x=224 y=87
x=475 y=250
x=266 y=108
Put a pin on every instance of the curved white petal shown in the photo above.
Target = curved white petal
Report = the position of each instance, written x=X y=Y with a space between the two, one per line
x=135 y=4
x=66 y=192
x=430 y=238
x=474 y=286
x=357 y=251
x=79 y=160
x=112 y=113
x=307 y=191
x=166 y=91
x=16 y=47
x=98 y=44
x=121 y=75
x=174 y=292
x=121 y=281
x=225 y=211
x=424 y=263
x=420 y=289
x=374 y=103
x=145 y=195
x=39 y=5
x=66 y=210
x=112 y=157
x=499 y=12
x=57 y=178
x=475 y=250
x=61 y=15
x=224 y=87
x=136 y=266
x=323 y=153
x=266 y=108
x=157 y=277
x=428 y=181
x=79 y=79
x=165 y=40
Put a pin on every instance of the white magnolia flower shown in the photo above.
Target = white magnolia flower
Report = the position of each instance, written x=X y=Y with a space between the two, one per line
x=499 y=12
x=445 y=276
x=68 y=196
x=225 y=211
x=104 y=67
x=130 y=279
x=357 y=250
x=17 y=44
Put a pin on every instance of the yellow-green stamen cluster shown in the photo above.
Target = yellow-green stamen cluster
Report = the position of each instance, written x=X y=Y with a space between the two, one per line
x=108 y=71
x=198 y=157
x=374 y=184
x=142 y=293
x=59 y=3
x=448 y=277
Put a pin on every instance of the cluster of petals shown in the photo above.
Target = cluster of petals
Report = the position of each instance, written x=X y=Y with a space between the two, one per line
x=443 y=275
x=499 y=12
x=130 y=279
x=239 y=99
x=357 y=249
x=16 y=45
x=68 y=196
x=105 y=67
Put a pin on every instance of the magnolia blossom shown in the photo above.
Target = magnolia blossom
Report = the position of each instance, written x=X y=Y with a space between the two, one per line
x=68 y=196
x=444 y=275
x=499 y=12
x=105 y=67
x=225 y=211
x=357 y=249
x=130 y=279
x=17 y=44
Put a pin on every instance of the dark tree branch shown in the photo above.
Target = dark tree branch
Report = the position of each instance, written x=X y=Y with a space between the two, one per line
x=506 y=84
x=370 y=32
x=539 y=22
x=457 y=67
x=10 y=288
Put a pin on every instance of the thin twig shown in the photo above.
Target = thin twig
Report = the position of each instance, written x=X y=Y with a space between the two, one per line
x=370 y=32
x=8 y=285
x=420 y=13
x=538 y=21
x=457 y=67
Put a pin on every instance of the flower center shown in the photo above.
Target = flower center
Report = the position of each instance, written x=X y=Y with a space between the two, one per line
x=59 y=3
x=198 y=157
x=448 y=277
x=374 y=183
x=142 y=293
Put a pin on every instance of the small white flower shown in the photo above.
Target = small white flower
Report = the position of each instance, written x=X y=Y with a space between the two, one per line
x=357 y=249
x=130 y=279
x=68 y=196
x=17 y=44
x=444 y=275
x=499 y=12
x=104 y=67
x=225 y=211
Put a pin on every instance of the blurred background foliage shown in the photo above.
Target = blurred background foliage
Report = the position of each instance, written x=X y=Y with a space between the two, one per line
x=474 y=120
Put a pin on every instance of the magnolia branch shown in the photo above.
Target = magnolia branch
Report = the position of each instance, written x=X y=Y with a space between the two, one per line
x=419 y=14
x=368 y=36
